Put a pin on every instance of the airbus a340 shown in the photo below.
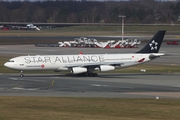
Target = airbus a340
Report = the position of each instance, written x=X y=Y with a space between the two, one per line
x=87 y=64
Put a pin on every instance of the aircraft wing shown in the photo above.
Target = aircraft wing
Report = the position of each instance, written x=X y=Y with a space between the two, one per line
x=92 y=64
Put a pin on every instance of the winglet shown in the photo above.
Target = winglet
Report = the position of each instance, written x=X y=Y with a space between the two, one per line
x=154 y=44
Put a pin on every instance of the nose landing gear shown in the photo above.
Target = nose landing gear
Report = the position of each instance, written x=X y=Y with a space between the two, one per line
x=21 y=74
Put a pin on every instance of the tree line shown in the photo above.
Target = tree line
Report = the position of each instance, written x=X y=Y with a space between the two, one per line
x=145 y=11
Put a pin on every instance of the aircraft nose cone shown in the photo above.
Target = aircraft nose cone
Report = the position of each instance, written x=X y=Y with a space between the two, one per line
x=6 y=64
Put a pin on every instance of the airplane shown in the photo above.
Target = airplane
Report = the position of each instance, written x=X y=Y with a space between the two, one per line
x=86 y=64
x=27 y=27
x=31 y=26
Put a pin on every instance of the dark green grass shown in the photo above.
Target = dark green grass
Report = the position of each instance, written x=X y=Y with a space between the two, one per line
x=58 y=108
x=133 y=28
x=95 y=30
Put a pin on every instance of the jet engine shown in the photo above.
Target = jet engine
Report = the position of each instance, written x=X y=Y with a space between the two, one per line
x=77 y=70
x=106 y=67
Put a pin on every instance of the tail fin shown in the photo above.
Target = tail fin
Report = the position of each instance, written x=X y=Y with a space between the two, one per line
x=154 y=44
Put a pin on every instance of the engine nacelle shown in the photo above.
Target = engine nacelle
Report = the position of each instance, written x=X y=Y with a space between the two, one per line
x=106 y=67
x=77 y=70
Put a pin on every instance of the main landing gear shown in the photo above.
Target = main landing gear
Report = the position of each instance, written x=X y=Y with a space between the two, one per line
x=88 y=74
x=21 y=74
x=92 y=75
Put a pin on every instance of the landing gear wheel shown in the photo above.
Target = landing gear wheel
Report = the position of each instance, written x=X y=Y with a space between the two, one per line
x=21 y=75
x=95 y=74
x=92 y=74
x=87 y=74
x=82 y=74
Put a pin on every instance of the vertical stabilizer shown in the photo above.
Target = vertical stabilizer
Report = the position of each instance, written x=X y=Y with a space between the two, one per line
x=154 y=44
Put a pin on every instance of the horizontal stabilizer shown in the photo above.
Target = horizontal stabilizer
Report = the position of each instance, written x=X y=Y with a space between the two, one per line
x=154 y=55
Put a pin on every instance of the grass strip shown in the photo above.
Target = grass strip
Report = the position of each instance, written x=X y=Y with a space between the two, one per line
x=58 y=108
x=94 y=30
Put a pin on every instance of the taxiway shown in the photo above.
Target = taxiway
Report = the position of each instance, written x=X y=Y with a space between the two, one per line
x=106 y=85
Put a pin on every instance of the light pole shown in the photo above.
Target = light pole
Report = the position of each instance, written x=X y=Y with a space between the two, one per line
x=122 y=16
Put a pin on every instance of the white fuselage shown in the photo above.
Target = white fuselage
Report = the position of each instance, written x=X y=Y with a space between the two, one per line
x=66 y=62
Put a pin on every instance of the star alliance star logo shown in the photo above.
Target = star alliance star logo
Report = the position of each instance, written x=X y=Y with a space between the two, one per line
x=153 y=45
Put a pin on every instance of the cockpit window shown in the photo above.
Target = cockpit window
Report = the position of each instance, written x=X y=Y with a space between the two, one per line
x=11 y=61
